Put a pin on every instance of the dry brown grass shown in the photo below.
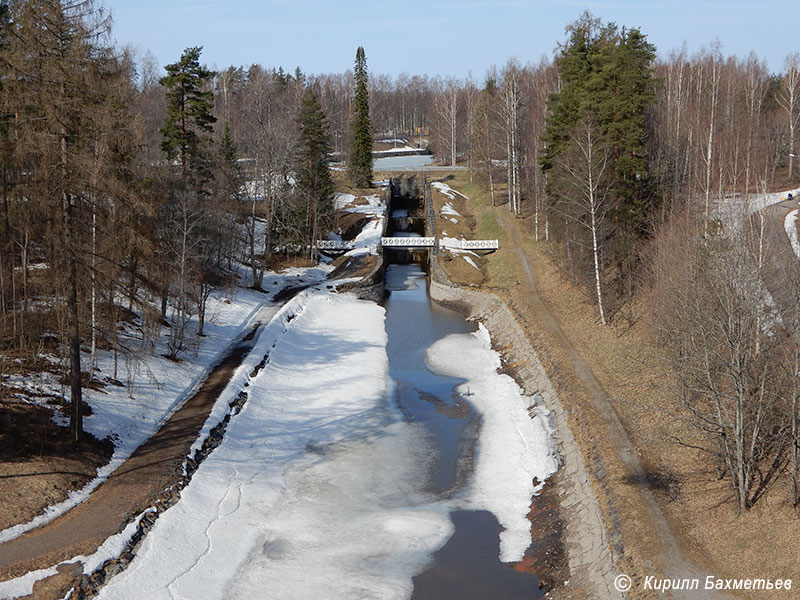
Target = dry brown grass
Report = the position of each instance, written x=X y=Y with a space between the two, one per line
x=40 y=465
x=698 y=506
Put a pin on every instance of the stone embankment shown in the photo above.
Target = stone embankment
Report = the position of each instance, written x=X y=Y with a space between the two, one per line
x=590 y=556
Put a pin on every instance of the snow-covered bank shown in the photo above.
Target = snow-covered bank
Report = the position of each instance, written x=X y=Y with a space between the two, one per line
x=155 y=388
x=590 y=561
x=734 y=208
x=369 y=238
x=298 y=477
x=516 y=442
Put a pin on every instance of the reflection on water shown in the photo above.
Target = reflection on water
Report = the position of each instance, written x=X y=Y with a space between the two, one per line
x=468 y=566
x=413 y=324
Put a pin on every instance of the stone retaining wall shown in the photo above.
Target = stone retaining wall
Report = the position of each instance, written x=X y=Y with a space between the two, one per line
x=591 y=560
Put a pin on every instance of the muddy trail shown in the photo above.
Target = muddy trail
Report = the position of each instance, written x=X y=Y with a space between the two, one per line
x=136 y=484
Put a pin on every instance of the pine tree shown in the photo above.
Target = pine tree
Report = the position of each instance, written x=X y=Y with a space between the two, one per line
x=314 y=181
x=189 y=120
x=607 y=75
x=606 y=80
x=187 y=139
x=629 y=92
x=360 y=163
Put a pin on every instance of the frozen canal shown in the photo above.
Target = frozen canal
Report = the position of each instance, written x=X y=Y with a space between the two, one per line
x=340 y=476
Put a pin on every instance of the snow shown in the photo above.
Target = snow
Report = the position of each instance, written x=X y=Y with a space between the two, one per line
x=513 y=448
x=447 y=190
x=298 y=476
x=471 y=262
x=109 y=549
x=448 y=209
x=404 y=148
x=368 y=240
x=732 y=208
x=155 y=388
x=344 y=201
x=453 y=245
x=319 y=476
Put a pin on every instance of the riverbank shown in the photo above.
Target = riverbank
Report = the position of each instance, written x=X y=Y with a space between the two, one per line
x=590 y=563
x=135 y=493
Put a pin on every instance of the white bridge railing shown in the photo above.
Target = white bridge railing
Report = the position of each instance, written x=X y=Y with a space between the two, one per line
x=413 y=242
x=408 y=242
x=480 y=245
x=334 y=245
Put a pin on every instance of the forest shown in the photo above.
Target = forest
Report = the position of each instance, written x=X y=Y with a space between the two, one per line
x=133 y=188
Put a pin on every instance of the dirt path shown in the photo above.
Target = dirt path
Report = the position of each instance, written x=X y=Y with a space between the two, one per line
x=133 y=487
x=781 y=258
x=672 y=561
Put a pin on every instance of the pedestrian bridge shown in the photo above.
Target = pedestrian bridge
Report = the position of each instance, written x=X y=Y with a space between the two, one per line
x=408 y=242
x=413 y=242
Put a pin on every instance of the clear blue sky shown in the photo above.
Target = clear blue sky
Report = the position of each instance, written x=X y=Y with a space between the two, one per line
x=444 y=37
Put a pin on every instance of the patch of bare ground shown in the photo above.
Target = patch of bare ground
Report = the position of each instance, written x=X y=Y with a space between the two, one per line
x=698 y=506
x=458 y=227
x=39 y=463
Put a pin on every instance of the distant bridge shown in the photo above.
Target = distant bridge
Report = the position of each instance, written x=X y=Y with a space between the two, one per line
x=412 y=242
x=479 y=245
x=408 y=242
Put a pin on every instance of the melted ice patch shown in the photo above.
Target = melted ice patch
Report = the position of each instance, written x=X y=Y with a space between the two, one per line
x=514 y=446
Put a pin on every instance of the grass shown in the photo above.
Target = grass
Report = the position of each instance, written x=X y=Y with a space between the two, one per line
x=698 y=507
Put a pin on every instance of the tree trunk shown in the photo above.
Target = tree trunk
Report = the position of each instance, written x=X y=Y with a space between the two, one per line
x=76 y=398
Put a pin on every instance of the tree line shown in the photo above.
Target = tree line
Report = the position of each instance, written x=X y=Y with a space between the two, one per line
x=126 y=196
x=129 y=192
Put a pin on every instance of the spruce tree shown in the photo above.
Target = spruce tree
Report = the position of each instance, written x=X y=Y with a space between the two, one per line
x=606 y=76
x=360 y=160
x=187 y=139
x=314 y=181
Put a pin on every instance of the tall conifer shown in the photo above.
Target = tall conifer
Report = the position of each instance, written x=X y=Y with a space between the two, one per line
x=360 y=160
x=606 y=76
x=189 y=120
x=314 y=179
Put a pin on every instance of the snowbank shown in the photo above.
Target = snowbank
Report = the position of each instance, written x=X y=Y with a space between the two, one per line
x=453 y=245
x=368 y=240
x=155 y=389
x=447 y=190
x=516 y=442
x=293 y=479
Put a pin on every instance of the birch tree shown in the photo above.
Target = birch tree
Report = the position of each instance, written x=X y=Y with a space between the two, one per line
x=789 y=99
x=728 y=357
x=584 y=194
x=511 y=111
x=447 y=113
